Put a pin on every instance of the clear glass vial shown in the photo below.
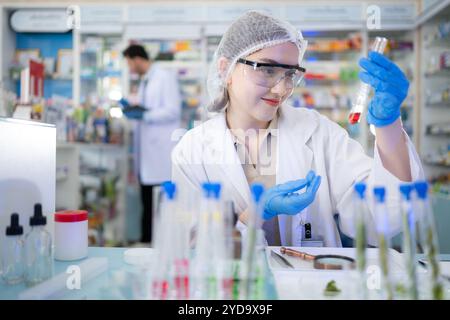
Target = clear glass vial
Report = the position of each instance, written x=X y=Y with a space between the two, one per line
x=38 y=250
x=13 y=253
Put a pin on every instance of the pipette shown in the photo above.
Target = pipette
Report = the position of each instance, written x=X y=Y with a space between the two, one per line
x=364 y=90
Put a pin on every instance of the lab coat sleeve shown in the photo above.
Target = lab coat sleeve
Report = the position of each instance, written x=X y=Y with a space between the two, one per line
x=169 y=108
x=348 y=164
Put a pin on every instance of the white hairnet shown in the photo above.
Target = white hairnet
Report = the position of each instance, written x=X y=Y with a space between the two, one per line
x=251 y=32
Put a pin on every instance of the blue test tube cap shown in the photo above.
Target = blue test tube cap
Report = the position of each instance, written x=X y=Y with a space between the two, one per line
x=215 y=190
x=405 y=190
x=257 y=191
x=379 y=193
x=206 y=186
x=360 y=189
x=169 y=188
x=421 y=189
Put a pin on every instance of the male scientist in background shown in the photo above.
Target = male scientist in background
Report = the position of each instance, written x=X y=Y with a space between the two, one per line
x=158 y=115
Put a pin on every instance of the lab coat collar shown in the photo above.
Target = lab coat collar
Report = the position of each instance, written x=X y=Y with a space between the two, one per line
x=300 y=121
x=151 y=70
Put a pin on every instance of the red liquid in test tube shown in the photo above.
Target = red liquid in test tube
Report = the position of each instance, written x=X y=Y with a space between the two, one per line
x=182 y=279
x=160 y=289
x=363 y=93
x=354 y=117
x=227 y=285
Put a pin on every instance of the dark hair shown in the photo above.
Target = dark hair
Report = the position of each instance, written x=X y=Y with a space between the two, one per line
x=135 y=50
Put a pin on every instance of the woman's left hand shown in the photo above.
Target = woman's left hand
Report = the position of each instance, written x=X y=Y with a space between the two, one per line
x=390 y=85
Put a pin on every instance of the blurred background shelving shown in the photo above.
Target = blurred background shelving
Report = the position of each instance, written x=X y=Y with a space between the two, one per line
x=435 y=103
x=331 y=61
x=82 y=103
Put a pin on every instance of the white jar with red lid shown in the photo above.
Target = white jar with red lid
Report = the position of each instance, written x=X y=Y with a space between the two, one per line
x=71 y=235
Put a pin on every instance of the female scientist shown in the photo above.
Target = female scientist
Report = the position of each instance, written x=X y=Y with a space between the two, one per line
x=307 y=163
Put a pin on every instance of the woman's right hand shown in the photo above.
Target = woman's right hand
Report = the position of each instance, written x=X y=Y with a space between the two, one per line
x=283 y=199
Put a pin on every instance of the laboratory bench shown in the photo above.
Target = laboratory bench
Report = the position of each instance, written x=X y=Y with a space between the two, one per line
x=119 y=280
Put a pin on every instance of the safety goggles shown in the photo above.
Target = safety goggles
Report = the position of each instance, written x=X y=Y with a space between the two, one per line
x=270 y=74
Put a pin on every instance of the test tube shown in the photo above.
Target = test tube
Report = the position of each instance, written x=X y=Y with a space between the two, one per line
x=360 y=234
x=364 y=90
x=382 y=227
x=250 y=245
x=202 y=264
x=180 y=229
x=409 y=239
x=429 y=241
x=164 y=241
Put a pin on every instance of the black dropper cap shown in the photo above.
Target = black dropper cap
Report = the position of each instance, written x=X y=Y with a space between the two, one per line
x=38 y=219
x=14 y=229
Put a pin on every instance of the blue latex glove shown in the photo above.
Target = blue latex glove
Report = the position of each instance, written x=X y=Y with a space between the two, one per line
x=124 y=102
x=134 y=114
x=390 y=85
x=281 y=198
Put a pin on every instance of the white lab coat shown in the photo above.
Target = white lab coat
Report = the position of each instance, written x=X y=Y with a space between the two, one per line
x=306 y=141
x=153 y=135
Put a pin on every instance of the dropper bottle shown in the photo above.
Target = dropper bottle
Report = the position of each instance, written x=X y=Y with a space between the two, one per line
x=13 y=253
x=38 y=250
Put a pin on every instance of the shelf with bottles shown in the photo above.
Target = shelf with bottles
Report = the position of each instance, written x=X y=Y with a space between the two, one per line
x=102 y=177
x=212 y=42
x=178 y=51
x=435 y=88
x=440 y=185
x=331 y=58
x=94 y=125
x=101 y=203
x=443 y=73
x=97 y=179
x=440 y=34
x=331 y=73
x=440 y=156
x=53 y=49
x=441 y=104
x=100 y=67
x=8 y=101
x=438 y=129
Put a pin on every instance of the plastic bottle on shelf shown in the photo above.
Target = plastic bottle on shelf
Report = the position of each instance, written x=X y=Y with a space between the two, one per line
x=38 y=250
x=13 y=252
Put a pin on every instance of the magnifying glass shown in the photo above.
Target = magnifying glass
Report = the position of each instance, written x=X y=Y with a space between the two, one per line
x=324 y=262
